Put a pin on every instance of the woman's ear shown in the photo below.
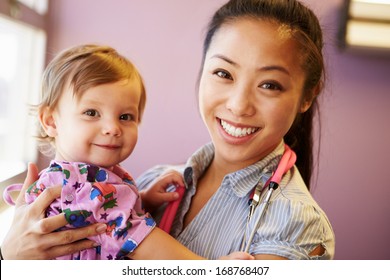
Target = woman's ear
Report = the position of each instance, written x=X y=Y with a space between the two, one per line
x=47 y=120
x=306 y=103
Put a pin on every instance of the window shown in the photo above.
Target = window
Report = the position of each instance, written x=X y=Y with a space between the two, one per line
x=37 y=5
x=22 y=56
x=366 y=25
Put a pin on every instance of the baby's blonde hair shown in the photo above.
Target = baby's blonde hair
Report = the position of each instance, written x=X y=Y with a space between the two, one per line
x=80 y=68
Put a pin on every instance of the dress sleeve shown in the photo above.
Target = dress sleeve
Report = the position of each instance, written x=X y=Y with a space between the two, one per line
x=290 y=229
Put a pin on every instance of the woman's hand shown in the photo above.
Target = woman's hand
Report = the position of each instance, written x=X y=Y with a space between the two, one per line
x=156 y=194
x=32 y=236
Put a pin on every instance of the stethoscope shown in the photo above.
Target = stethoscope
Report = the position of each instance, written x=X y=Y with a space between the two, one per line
x=286 y=162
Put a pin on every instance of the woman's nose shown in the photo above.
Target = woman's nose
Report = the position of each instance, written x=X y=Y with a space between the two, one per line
x=240 y=101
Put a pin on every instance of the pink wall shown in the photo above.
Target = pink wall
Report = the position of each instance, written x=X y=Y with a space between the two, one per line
x=164 y=39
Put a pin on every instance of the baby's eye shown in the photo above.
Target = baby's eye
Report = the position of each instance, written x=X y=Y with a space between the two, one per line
x=223 y=74
x=91 y=113
x=126 y=117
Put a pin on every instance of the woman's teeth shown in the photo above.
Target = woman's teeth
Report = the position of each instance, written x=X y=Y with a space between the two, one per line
x=238 y=131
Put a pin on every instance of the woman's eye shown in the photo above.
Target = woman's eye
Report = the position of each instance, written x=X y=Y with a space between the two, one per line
x=126 y=117
x=223 y=74
x=271 y=86
x=91 y=113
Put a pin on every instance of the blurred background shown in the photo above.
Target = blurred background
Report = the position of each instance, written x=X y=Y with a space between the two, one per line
x=164 y=39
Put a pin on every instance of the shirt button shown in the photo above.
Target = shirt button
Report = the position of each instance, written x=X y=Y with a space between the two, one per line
x=188 y=176
x=69 y=197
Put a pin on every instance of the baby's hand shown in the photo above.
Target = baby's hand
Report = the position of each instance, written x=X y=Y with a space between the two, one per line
x=157 y=194
x=238 y=256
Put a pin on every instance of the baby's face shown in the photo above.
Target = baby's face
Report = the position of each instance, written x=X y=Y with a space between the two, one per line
x=99 y=126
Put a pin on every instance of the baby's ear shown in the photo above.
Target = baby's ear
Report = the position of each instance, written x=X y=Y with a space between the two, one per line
x=47 y=120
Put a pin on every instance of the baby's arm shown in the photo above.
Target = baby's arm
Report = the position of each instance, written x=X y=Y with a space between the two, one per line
x=159 y=245
x=156 y=194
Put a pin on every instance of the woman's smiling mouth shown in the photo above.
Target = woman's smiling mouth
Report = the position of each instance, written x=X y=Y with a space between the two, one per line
x=237 y=131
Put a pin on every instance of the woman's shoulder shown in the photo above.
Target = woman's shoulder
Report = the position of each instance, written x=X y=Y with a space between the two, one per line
x=297 y=201
x=293 y=188
x=300 y=219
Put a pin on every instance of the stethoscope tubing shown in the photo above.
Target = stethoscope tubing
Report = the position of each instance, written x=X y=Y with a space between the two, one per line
x=263 y=206
x=285 y=164
x=171 y=210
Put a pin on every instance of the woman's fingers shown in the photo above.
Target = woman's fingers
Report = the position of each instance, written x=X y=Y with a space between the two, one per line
x=42 y=245
x=68 y=249
x=73 y=240
x=50 y=224
x=39 y=206
x=32 y=176
x=67 y=237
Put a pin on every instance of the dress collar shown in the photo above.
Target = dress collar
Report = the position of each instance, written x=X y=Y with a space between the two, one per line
x=91 y=173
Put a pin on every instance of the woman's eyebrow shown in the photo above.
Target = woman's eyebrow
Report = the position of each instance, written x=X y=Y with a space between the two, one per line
x=228 y=60
x=263 y=68
x=275 y=67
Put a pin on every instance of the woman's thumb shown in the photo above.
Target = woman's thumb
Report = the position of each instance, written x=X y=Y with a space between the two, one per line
x=32 y=176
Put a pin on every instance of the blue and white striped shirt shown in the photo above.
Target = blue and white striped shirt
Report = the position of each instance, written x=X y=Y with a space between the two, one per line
x=293 y=225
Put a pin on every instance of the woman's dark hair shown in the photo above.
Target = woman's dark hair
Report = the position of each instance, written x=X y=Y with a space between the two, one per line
x=306 y=30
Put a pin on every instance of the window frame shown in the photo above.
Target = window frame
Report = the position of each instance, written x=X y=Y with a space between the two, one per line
x=21 y=14
x=24 y=14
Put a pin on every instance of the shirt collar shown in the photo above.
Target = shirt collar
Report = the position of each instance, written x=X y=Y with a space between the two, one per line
x=243 y=180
